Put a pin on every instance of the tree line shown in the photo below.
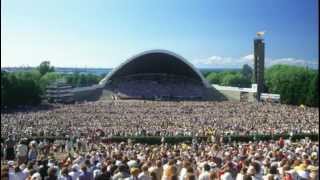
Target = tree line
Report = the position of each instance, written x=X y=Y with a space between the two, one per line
x=27 y=88
x=296 y=85
x=239 y=78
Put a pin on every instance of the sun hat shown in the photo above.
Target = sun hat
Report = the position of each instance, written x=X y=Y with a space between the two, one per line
x=10 y=163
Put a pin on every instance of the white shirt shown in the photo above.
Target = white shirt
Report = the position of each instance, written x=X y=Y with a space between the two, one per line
x=26 y=172
x=11 y=175
x=74 y=175
x=22 y=150
x=204 y=176
x=183 y=173
x=156 y=170
x=62 y=177
x=144 y=176
x=17 y=176
x=239 y=176
x=257 y=177
x=227 y=176
x=96 y=172
x=276 y=177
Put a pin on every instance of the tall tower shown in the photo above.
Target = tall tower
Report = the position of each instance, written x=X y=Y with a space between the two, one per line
x=258 y=75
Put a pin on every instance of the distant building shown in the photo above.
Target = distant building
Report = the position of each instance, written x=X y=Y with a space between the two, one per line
x=258 y=75
x=236 y=93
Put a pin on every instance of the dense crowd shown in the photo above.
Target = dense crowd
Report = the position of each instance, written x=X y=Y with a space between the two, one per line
x=273 y=160
x=155 y=118
x=83 y=157
x=158 y=86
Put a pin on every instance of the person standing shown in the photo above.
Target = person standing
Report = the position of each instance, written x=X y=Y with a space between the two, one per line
x=32 y=155
x=105 y=175
x=85 y=174
x=22 y=152
x=64 y=174
x=52 y=174
x=144 y=175
x=205 y=175
x=9 y=145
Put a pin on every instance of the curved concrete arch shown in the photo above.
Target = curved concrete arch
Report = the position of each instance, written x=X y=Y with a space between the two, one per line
x=103 y=82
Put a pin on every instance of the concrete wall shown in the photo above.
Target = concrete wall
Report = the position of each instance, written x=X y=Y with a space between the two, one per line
x=232 y=95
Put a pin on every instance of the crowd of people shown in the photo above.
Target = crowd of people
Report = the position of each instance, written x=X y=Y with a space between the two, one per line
x=79 y=156
x=161 y=118
x=157 y=86
x=272 y=160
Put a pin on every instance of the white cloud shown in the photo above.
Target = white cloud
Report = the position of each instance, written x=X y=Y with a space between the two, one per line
x=248 y=57
x=292 y=61
x=222 y=62
x=232 y=62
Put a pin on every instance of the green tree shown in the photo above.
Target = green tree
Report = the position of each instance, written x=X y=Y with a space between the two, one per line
x=20 y=88
x=5 y=84
x=235 y=80
x=47 y=79
x=45 y=67
x=313 y=93
x=291 y=82
x=214 y=78
x=247 y=71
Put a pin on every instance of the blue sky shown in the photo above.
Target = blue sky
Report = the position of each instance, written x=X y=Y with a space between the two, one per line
x=208 y=33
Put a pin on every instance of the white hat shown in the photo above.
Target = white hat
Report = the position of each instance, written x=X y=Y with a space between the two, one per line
x=132 y=163
x=314 y=154
x=274 y=164
x=118 y=163
x=212 y=164
x=50 y=164
x=10 y=163
x=142 y=157
x=264 y=162
x=98 y=165
x=96 y=172
x=75 y=167
x=22 y=166
x=36 y=176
